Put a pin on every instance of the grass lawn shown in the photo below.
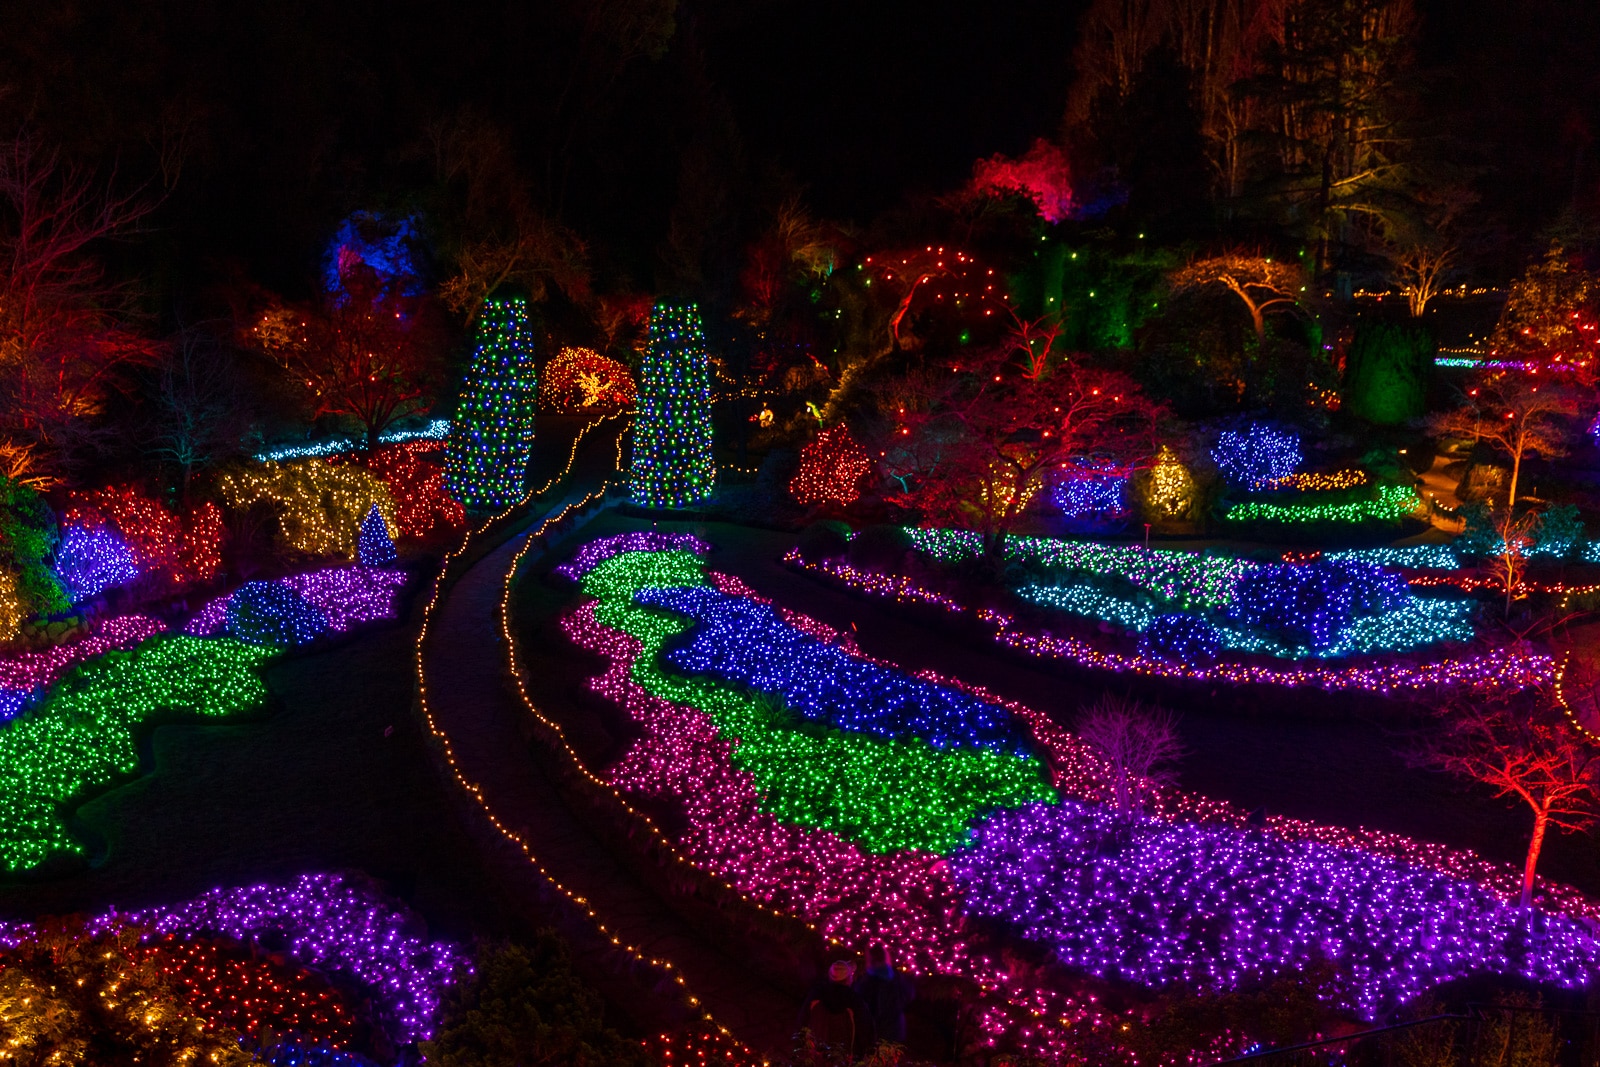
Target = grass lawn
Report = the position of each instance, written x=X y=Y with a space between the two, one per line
x=1335 y=768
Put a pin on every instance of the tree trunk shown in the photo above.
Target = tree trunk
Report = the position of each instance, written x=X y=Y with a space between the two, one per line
x=372 y=439
x=1516 y=471
x=1541 y=820
x=1258 y=319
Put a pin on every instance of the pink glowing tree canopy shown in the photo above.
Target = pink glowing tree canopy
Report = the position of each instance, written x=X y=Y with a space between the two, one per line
x=1041 y=175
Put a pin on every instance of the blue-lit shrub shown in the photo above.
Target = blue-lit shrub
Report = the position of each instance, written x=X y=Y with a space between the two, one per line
x=1082 y=494
x=374 y=546
x=1180 y=638
x=91 y=560
x=1257 y=456
x=1312 y=604
x=267 y=613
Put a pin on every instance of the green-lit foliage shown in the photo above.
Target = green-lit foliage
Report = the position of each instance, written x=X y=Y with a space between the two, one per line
x=27 y=537
x=84 y=734
x=1386 y=373
x=525 y=1005
x=883 y=794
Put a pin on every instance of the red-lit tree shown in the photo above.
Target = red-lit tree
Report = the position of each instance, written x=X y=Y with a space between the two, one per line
x=62 y=339
x=991 y=434
x=1042 y=177
x=832 y=468
x=1521 y=744
x=374 y=355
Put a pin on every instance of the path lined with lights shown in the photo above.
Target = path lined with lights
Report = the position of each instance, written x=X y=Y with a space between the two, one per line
x=480 y=721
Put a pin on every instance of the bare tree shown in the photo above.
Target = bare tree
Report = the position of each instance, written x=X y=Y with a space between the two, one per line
x=1522 y=744
x=1137 y=746
x=1260 y=283
x=1519 y=415
x=198 y=403
x=1421 y=270
x=60 y=335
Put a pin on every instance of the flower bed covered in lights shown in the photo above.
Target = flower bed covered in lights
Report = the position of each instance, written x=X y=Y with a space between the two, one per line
x=324 y=957
x=723 y=685
x=1330 y=608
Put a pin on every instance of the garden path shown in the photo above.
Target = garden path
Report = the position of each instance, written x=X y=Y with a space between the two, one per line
x=472 y=702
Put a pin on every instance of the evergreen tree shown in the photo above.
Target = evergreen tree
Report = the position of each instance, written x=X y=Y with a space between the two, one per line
x=492 y=438
x=672 y=462
x=1386 y=374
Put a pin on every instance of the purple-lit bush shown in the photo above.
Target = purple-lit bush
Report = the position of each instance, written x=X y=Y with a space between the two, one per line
x=597 y=552
x=1215 y=908
x=91 y=560
x=340 y=927
x=1180 y=638
x=266 y=613
x=1257 y=456
x=344 y=595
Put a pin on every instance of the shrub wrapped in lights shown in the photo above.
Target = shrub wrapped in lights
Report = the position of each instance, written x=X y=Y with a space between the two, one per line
x=491 y=440
x=672 y=466
x=581 y=380
x=93 y=559
x=319 y=505
x=1257 y=457
x=374 y=545
x=1167 y=490
x=416 y=485
x=1091 y=491
x=170 y=552
x=1180 y=638
x=267 y=613
x=832 y=468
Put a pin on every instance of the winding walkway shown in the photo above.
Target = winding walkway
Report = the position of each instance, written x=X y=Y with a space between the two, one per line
x=484 y=726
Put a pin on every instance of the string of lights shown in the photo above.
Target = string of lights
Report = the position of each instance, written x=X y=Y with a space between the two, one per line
x=1393 y=503
x=471 y=789
x=435 y=430
x=1257 y=456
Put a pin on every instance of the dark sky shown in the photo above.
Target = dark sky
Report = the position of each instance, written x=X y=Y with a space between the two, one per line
x=866 y=99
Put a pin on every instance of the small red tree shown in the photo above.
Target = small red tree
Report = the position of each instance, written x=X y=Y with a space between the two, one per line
x=832 y=467
x=1520 y=743
x=999 y=431
x=374 y=356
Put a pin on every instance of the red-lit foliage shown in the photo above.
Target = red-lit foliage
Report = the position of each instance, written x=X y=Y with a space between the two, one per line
x=1041 y=176
x=229 y=988
x=414 y=473
x=690 y=1049
x=172 y=553
x=582 y=380
x=832 y=468
x=935 y=276
x=975 y=446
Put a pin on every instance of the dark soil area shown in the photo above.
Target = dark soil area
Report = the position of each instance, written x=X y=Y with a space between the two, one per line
x=1307 y=755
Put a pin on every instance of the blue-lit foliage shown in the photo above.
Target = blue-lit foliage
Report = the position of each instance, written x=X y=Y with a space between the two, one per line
x=293 y=1054
x=1257 y=456
x=267 y=613
x=1181 y=638
x=12 y=703
x=374 y=546
x=491 y=439
x=1313 y=604
x=672 y=465
x=387 y=247
x=1083 y=493
x=738 y=640
x=91 y=560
